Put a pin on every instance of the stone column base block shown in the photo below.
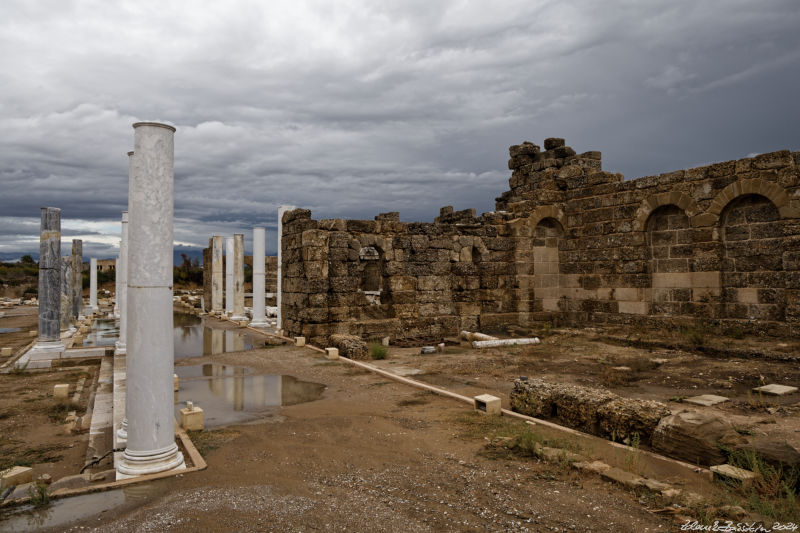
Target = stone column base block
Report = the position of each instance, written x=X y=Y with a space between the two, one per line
x=7 y=351
x=61 y=392
x=488 y=404
x=332 y=353
x=299 y=341
x=135 y=463
x=192 y=419
x=258 y=324
x=16 y=475
x=239 y=319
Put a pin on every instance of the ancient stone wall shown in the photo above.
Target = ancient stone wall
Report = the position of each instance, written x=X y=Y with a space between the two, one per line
x=568 y=241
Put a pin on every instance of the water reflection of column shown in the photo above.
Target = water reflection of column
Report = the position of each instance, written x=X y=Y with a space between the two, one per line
x=217 y=341
x=258 y=388
x=217 y=382
x=238 y=389
x=229 y=275
x=238 y=343
x=207 y=341
x=259 y=315
x=274 y=392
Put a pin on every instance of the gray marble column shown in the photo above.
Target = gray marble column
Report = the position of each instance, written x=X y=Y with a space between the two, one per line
x=120 y=347
x=281 y=210
x=216 y=274
x=238 y=277
x=50 y=282
x=150 y=361
x=77 y=279
x=93 y=285
x=229 y=276
x=66 y=292
x=259 y=314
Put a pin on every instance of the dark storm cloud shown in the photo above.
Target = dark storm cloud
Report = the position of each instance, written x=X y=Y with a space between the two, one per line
x=353 y=108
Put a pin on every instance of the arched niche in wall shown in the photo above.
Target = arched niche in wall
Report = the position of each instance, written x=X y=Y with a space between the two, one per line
x=753 y=283
x=545 y=242
x=370 y=259
x=668 y=235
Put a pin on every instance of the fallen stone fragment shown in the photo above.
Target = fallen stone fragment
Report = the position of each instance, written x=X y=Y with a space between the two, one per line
x=595 y=466
x=622 y=477
x=732 y=473
x=775 y=390
x=695 y=437
x=706 y=400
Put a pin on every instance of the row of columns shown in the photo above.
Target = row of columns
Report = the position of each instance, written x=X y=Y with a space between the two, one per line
x=234 y=277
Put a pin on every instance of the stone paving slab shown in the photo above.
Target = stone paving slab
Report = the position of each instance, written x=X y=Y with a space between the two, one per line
x=706 y=400
x=775 y=390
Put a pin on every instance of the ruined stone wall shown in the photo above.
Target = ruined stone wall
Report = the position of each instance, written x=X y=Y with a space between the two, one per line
x=719 y=243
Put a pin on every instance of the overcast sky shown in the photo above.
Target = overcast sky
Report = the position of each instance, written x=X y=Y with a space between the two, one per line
x=351 y=108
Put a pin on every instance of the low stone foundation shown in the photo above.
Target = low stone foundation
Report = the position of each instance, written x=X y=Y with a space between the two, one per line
x=595 y=411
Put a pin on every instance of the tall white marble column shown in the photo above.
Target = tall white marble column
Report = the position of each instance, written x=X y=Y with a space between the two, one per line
x=49 y=339
x=238 y=277
x=229 y=276
x=115 y=313
x=150 y=361
x=77 y=275
x=216 y=274
x=259 y=259
x=121 y=346
x=93 y=285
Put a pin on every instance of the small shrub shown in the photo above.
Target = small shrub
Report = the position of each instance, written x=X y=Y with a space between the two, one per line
x=39 y=494
x=378 y=350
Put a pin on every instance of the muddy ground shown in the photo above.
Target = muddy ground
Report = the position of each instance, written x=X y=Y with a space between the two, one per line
x=375 y=455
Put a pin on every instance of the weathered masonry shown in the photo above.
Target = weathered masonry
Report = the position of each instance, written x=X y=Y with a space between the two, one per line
x=568 y=242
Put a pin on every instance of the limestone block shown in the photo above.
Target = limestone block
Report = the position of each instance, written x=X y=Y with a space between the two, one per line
x=6 y=351
x=32 y=333
x=730 y=473
x=192 y=418
x=16 y=475
x=174 y=382
x=61 y=392
x=299 y=341
x=775 y=389
x=332 y=353
x=488 y=404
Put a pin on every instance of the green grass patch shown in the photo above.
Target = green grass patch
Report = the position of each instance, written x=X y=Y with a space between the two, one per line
x=378 y=350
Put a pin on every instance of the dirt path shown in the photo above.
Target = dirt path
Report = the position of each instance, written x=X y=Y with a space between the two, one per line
x=371 y=455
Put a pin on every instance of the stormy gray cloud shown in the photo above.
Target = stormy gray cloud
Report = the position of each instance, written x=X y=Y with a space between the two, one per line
x=354 y=108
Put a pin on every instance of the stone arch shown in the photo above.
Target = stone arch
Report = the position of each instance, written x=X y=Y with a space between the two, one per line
x=668 y=236
x=772 y=191
x=752 y=276
x=654 y=202
x=546 y=239
x=523 y=227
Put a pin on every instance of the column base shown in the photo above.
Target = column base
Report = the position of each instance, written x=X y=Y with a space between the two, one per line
x=135 y=464
x=262 y=323
x=120 y=348
x=238 y=318
x=94 y=310
x=47 y=347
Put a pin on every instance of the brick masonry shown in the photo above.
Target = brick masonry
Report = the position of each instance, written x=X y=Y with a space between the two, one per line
x=567 y=242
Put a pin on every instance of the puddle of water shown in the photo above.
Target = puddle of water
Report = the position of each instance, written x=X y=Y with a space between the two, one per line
x=232 y=395
x=64 y=511
x=104 y=332
x=193 y=339
x=10 y=330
